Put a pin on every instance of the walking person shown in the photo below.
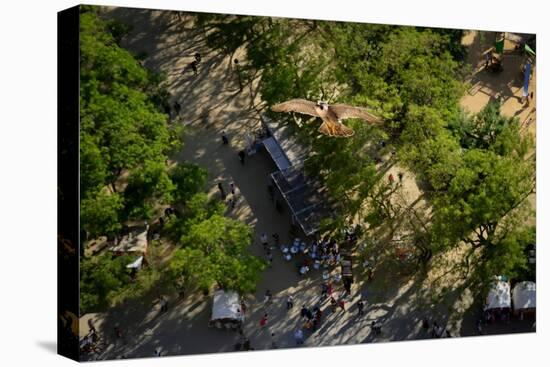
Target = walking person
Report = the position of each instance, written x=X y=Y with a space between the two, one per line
x=267 y=297
x=263 y=321
x=333 y=304
x=360 y=306
x=263 y=240
x=198 y=57
x=347 y=285
x=317 y=317
x=308 y=325
x=241 y=156
x=222 y=191
x=194 y=66
x=324 y=291
x=177 y=108
x=303 y=312
x=273 y=341
x=118 y=334
x=232 y=188
x=225 y=140
x=163 y=304
x=435 y=330
x=309 y=314
x=269 y=257
x=276 y=239
x=330 y=290
x=342 y=304
x=299 y=336
x=376 y=327
x=231 y=202
x=289 y=302
x=91 y=326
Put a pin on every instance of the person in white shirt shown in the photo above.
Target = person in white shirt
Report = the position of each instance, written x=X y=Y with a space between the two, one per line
x=289 y=302
x=263 y=240
x=299 y=336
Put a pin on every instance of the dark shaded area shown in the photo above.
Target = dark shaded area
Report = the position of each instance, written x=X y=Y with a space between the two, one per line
x=68 y=185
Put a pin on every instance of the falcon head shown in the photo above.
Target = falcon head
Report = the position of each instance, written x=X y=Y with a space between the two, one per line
x=322 y=105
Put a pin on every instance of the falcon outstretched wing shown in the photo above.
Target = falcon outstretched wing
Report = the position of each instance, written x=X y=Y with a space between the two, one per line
x=344 y=111
x=296 y=105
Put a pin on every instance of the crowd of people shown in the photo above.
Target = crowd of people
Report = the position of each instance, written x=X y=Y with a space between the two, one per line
x=317 y=254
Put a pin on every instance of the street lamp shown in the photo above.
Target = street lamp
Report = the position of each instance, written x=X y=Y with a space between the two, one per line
x=236 y=61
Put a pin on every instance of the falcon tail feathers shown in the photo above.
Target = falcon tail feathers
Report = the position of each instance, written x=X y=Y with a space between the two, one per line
x=342 y=130
x=338 y=130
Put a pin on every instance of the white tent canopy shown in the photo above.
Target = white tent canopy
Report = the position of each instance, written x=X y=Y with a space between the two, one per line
x=135 y=241
x=136 y=264
x=499 y=296
x=226 y=306
x=524 y=295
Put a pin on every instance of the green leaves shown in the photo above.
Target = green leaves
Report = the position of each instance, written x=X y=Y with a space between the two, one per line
x=146 y=187
x=117 y=114
x=122 y=129
x=93 y=169
x=101 y=277
x=479 y=177
x=484 y=192
x=124 y=143
x=215 y=250
x=489 y=129
x=188 y=179
x=100 y=215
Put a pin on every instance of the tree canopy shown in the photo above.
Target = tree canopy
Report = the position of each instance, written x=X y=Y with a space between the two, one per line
x=475 y=169
x=125 y=140
x=101 y=277
x=123 y=126
x=215 y=251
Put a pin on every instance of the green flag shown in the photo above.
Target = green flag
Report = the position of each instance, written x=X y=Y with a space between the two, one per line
x=530 y=50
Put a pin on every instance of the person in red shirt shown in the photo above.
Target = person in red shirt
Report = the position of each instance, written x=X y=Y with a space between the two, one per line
x=263 y=321
x=341 y=304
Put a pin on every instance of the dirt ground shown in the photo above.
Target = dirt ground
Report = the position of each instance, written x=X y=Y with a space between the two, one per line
x=485 y=86
x=211 y=103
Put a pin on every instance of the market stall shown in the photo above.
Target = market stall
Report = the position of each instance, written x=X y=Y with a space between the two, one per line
x=524 y=298
x=306 y=198
x=499 y=296
x=135 y=242
x=226 y=311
